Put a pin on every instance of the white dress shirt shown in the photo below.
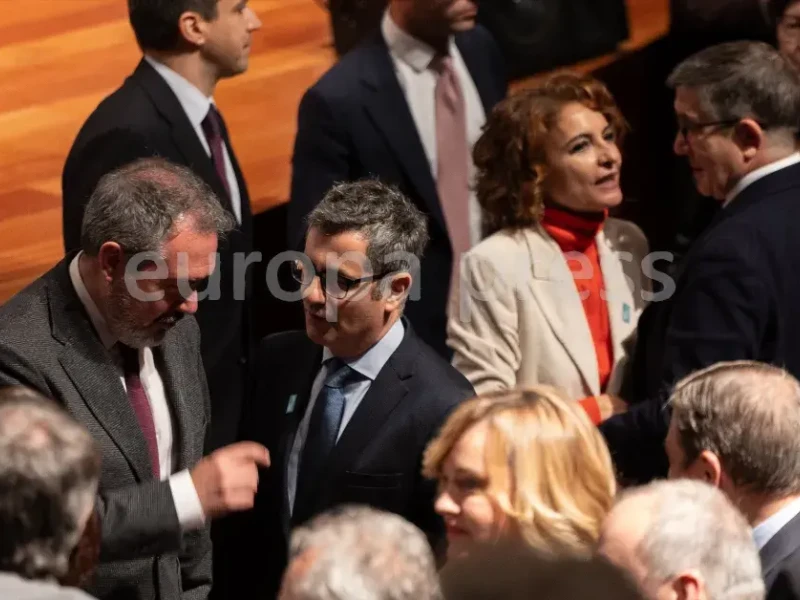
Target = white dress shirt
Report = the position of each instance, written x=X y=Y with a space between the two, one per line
x=766 y=530
x=754 y=176
x=184 y=494
x=412 y=58
x=369 y=365
x=196 y=105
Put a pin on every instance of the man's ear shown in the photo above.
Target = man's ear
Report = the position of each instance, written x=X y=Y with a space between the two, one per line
x=749 y=137
x=193 y=28
x=709 y=468
x=111 y=259
x=396 y=290
x=688 y=586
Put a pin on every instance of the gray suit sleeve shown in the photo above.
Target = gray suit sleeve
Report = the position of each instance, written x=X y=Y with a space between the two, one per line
x=136 y=521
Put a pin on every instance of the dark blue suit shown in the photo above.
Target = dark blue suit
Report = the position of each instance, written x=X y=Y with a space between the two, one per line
x=737 y=297
x=354 y=123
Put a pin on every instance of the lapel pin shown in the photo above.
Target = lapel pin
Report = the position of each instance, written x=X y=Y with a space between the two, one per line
x=626 y=312
x=291 y=403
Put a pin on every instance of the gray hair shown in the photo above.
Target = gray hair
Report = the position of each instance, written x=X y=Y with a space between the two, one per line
x=743 y=79
x=49 y=470
x=138 y=204
x=360 y=553
x=693 y=526
x=396 y=231
x=748 y=414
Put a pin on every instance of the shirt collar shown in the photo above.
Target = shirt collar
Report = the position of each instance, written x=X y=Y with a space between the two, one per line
x=414 y=52
x=372 y=361
x=95 y=317
x=764 y=531
x=194 y=103
x=754 y=176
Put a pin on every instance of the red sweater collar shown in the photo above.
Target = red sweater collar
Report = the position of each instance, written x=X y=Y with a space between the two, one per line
x=573 y=231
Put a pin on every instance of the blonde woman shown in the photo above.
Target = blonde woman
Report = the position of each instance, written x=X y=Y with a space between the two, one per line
x=524 y=465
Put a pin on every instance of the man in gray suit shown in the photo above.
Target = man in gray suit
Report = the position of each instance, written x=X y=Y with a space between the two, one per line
x=49 y=464
x=109 y=334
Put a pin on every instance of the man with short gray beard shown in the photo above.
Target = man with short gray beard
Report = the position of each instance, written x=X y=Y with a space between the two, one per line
x=109 y=334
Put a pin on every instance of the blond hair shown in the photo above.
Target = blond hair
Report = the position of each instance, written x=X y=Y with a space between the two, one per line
x=546 y=455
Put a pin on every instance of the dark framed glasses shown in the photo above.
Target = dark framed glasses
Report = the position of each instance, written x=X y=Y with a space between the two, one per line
x=337 y=287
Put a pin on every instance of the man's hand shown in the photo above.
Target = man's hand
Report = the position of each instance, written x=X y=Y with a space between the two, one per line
x=610 y=406
x=227 y=480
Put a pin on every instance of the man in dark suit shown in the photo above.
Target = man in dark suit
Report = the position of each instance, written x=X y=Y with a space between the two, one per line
x=734 y=425
x=406 y=106
x=109 y=334
x=348 y=406
x=735 y=296
x=166 y=109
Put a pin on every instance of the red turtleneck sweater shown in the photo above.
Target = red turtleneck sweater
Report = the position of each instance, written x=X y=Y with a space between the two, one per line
x=578 y=233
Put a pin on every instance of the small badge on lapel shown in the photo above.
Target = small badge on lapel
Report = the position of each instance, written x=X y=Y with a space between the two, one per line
x=291 y=403
x=626 y=312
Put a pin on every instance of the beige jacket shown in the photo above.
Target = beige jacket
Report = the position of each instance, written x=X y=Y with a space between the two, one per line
x=517 y=318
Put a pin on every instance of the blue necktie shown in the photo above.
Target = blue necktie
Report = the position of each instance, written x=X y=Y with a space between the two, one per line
x=323 y=428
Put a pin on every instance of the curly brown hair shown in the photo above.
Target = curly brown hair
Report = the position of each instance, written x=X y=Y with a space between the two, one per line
x=509 y=156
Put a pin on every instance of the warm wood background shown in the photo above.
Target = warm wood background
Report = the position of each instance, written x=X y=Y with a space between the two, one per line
x=59 y=58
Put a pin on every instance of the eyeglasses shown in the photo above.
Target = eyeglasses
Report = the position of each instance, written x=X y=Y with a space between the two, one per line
x=337 y=288
x=684 y=127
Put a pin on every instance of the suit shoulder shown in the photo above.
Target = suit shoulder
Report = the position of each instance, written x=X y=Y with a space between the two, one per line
x=502 y=247
x=441 y=378
x=24 y=312
x=284 y=344
x=338 y=82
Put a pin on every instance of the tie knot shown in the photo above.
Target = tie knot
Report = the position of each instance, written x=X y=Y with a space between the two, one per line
x=211 y=124
x=339 y=374
x=442 y=63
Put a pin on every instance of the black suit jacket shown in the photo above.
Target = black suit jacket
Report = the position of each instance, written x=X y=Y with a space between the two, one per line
x=355 y=122
x=780 y=562
x=378 y=458
x=735 y=298
x=48 y=343
x=143 y=118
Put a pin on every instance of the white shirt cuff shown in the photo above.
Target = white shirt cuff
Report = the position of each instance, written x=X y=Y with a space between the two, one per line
x=187 y=502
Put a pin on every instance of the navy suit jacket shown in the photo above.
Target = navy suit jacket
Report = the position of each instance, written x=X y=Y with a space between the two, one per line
x=735 y=298
x=355 y=122
x=378 y=459
x=780 y=562
x=142 y=119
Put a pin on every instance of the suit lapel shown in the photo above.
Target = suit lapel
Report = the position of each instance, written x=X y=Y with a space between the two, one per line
x=183 y=133
x=386 y=106
x=619 y=296
x=555 y=292
x=169 y=360
x=294 y=410
x=94 y=374
x=383 y=396
x=475 y=59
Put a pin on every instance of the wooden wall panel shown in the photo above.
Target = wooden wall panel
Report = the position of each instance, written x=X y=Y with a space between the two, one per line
x=59 y=58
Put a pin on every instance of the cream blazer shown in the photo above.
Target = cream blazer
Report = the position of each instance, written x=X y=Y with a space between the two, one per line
x=517 y=318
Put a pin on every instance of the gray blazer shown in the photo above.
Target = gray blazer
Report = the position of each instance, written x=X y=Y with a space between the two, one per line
x=48 y=343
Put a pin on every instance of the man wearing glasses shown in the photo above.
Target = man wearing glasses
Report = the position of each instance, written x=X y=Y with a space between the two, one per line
x=348 y=406
x=737 y=293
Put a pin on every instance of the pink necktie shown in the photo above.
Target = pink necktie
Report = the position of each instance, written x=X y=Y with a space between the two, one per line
x=141 y=405
x=452 y=153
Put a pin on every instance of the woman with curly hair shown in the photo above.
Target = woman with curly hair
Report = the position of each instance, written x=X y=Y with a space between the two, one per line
x=526 y=466
x=553 y=295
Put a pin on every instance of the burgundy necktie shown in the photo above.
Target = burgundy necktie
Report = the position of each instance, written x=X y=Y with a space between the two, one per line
x=141 y=405
x=452 y=153
x=212 y=127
